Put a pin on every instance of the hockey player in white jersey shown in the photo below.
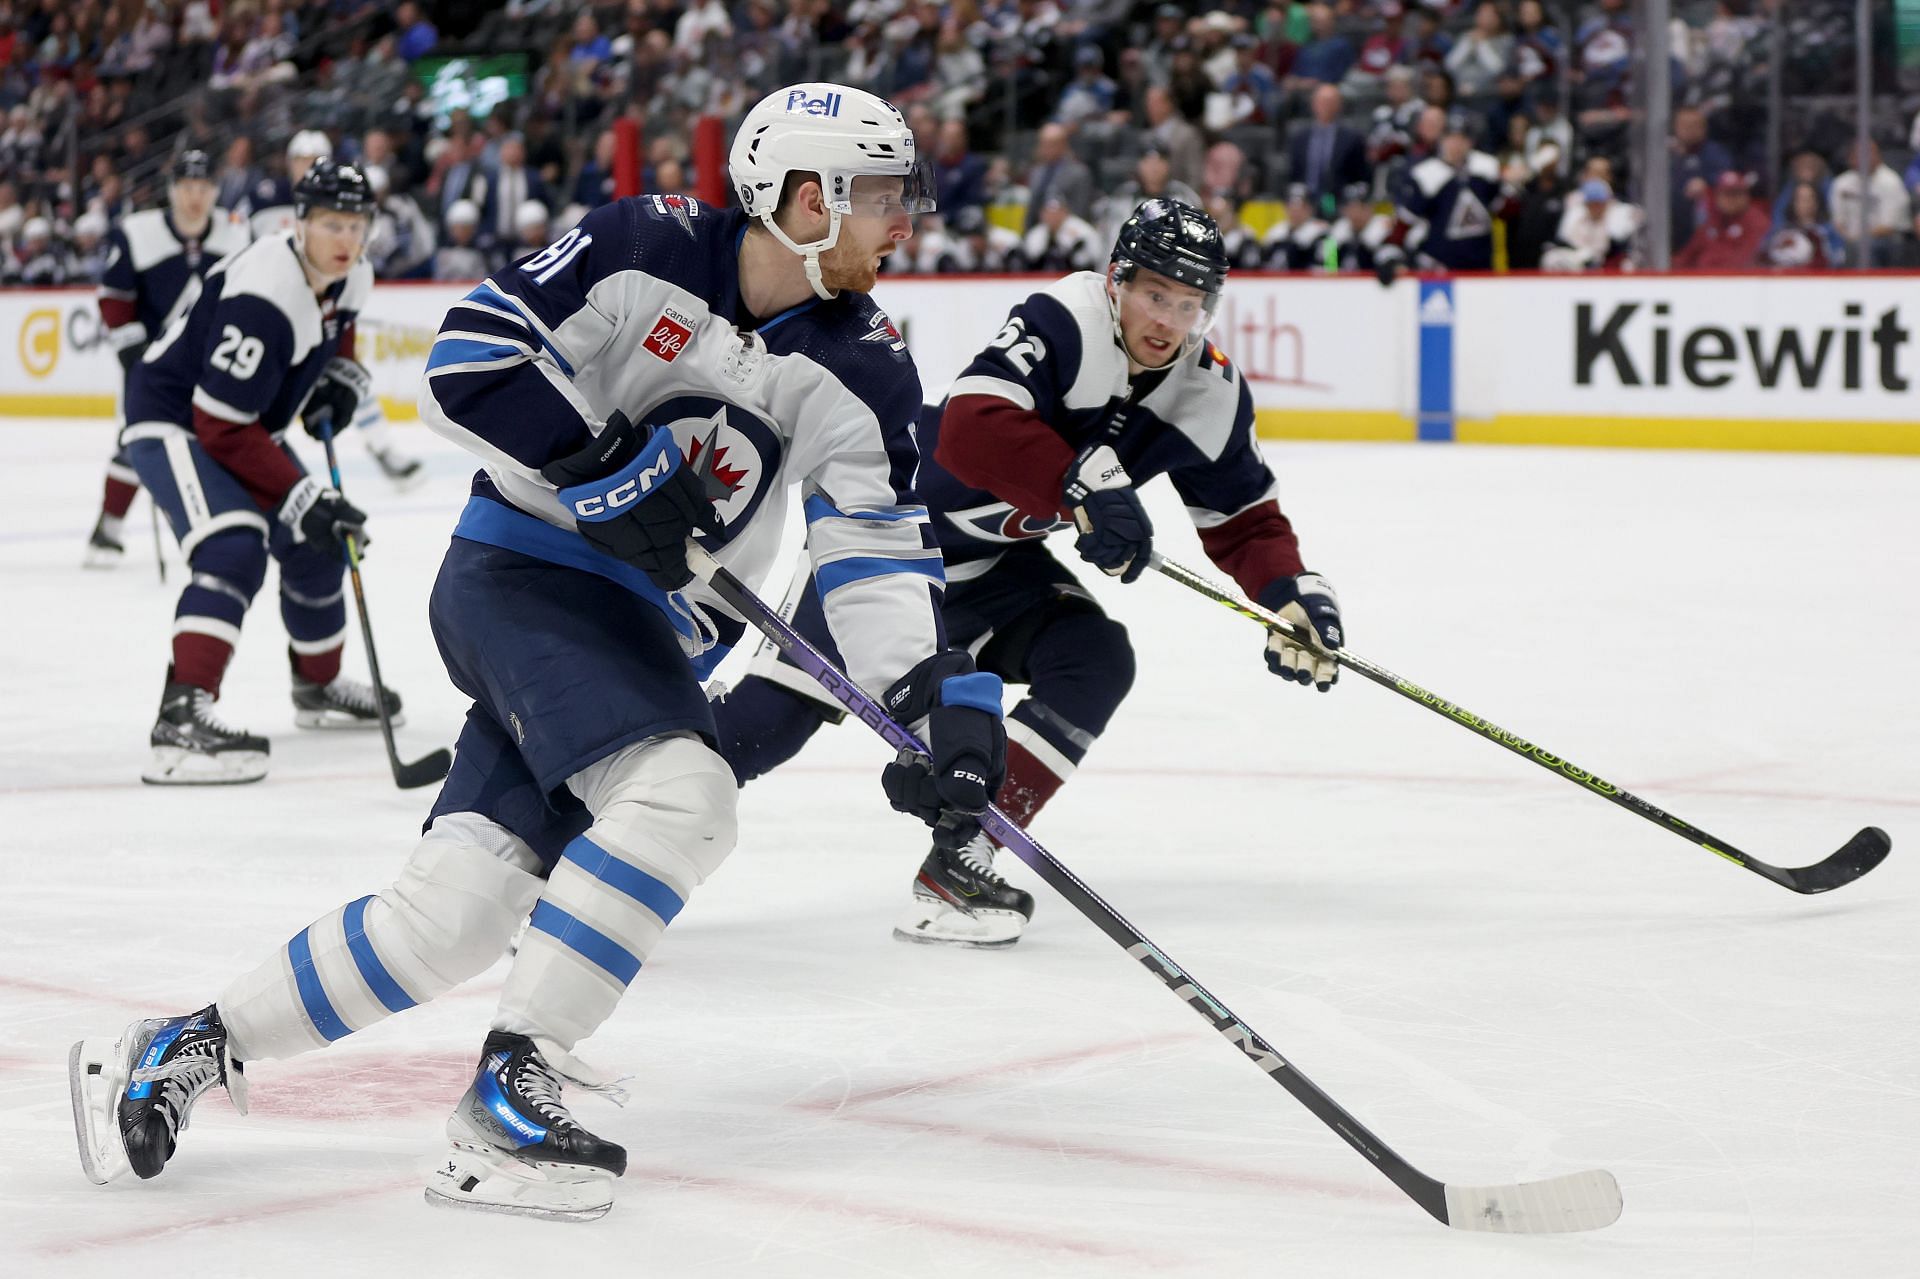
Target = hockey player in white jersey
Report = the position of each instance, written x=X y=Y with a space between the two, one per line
x=664 y=369
x=269 y=210
x=151 y=257
x=1093 y=385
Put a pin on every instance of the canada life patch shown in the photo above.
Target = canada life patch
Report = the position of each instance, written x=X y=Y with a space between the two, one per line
x=669 y=335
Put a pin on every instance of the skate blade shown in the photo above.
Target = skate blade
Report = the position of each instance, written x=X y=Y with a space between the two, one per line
x=336 y=721
x=101 y=557
x=480 y=1177
x=95 y=1080
x=177 y=766
x=930 y=923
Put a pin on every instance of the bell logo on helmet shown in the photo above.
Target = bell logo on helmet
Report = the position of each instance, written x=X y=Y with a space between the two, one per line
x=798 y=103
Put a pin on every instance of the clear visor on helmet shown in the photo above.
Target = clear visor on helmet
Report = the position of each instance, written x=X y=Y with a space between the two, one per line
x=1153 y=308
x=887 y=195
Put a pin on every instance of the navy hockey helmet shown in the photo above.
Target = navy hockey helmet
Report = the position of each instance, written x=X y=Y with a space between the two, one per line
x=192 y=164
x=329 y=185
x=1174 y=239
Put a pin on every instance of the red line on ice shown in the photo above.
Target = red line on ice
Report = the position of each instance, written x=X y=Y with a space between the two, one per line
x=974 y=1074
x=238 y=1217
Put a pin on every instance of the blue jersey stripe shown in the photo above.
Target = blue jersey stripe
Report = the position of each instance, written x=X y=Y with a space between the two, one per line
x=652 y=893
x=313 y=995
x=468 y=351
x=831 y=577
x=819 y=508
x=372 y=971
x=494 y=298
x=586 y=940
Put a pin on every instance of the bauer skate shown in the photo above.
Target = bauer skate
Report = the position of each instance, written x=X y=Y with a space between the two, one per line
x=132 y=1097
x=191 y=747
x=341 y=703
x=515 y=1148
x=104 y=548
x=960 y=900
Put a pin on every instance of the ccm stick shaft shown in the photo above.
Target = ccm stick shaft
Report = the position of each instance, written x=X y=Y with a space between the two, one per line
x=1855 y=858
x=1576 y=1201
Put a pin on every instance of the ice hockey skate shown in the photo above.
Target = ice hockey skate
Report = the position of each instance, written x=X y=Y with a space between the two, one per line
x=341 y=703
x=960 y=900
x=515 y=1148
x=403 y=470
x=104 y=547
x=192 y=747
x=132 y=1097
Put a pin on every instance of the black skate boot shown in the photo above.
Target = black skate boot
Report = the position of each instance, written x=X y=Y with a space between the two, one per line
x=515 y=1146
x=960 y=900
x=193 y=748
x=132 y=1098
x=395 y=464
x=104 y=548
x=342 y=703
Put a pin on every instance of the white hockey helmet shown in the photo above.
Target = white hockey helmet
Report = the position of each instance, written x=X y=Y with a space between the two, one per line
x=309 y=144
x=838 y=132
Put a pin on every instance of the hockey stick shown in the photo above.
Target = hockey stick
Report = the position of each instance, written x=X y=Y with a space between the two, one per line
x=159 y=556
x=1855 y=858
x=1576 y=1201
x=429 y=768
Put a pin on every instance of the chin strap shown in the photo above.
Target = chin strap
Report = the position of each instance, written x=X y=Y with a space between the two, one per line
x=810 y=253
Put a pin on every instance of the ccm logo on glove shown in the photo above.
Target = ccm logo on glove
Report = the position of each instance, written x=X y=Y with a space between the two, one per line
x=600 y=506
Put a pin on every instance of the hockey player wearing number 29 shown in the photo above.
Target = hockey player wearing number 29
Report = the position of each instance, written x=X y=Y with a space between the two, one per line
x=664 y=370
x=266 y=336
x=1095 y=385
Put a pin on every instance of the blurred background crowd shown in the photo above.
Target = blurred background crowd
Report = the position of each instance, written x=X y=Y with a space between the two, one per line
x=1358 y=135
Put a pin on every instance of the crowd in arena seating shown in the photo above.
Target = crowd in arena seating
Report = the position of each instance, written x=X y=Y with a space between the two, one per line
x=1356 y=135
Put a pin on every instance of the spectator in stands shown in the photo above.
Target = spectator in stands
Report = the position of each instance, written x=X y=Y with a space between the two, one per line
x=1152 y=179
x=1393 y=120
x=1380 y=54
x=1359 y=232
x=594 y=186
x=1698 y=162
x=670 y=178
x=1243 y=248
x=466 y=176
x=1479 y=57
x=1536 y=222
x=511 y=185
x=1732 y=235
x=401 y=241
x=39 y=259
x=417 y=35
x=979 y=245
x=1251 y=93
x=1436 y=89
x=1596 y=231
x=1057 y=172
x=701 y=19
x=1804 y=236
x=959 y=174
x=1427 y=46
x=1549 y=129
x=1873 y=214
x=1175 y=136
x=532 y=230
x=1804 y=166
x=1294 y=244
x=1325 y=59
x=1537 y=47
x=959 y=72
x=1453 y=198
x=590 y=48
x=1059 y=242
x=89 y=247
x=1226 y=173
x=460 y=257
x=1327 y=155
x=1090 y=95
x=1169 y=23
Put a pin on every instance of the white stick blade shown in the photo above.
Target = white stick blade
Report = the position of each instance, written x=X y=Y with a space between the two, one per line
x=1578 y=1201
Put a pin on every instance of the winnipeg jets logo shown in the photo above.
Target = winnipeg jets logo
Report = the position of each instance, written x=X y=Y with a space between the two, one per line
x=682 y=209
x=733 y=454
x=883 y=331
x=718 y=481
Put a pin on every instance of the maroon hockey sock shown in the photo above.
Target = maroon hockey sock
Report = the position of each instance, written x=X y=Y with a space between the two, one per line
x=317 y=668
x=200 y=660
x=1029 y=785
x=118 y=498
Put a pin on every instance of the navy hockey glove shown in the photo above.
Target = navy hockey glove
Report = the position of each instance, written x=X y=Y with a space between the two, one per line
x=322 y=517
x=1116 y=536
x=128 y=357
x=964 y=731
x=1308 y=602
x=344 y=384
x=636 y=499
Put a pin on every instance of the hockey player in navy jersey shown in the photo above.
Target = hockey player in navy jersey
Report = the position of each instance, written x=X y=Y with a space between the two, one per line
x=1093 y=386
x=665 y=369
x=151 y=257
x=265 y=336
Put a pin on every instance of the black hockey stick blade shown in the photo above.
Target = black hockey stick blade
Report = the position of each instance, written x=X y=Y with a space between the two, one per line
x=1855 y=858
x=424 y=771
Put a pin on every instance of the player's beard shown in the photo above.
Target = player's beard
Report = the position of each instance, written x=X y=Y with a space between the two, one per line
x=845 y=268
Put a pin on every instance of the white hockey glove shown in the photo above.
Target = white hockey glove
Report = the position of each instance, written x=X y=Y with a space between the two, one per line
x=1308 y=602
x=1116 y=536
x=336 y=397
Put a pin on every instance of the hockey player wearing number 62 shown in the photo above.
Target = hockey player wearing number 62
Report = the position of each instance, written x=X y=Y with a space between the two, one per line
x=665 y=369
x=1095 y=385
x=268 y=334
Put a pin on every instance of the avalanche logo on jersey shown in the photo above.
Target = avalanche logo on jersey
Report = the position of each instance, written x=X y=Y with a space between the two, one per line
x=1000 y=522
x=733 y=454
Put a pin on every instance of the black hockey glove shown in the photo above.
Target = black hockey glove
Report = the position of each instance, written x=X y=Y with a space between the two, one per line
x=1307 y=601
x=344 y=384
x=128 y=357
x=964 y=730
x=322 y=517
x=1116 y=536
x=635 y=498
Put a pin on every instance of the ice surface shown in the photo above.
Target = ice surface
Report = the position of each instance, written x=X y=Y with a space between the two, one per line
x=1505 y=978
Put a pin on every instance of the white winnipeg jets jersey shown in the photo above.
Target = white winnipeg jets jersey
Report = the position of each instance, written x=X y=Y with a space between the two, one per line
x=638 y=309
